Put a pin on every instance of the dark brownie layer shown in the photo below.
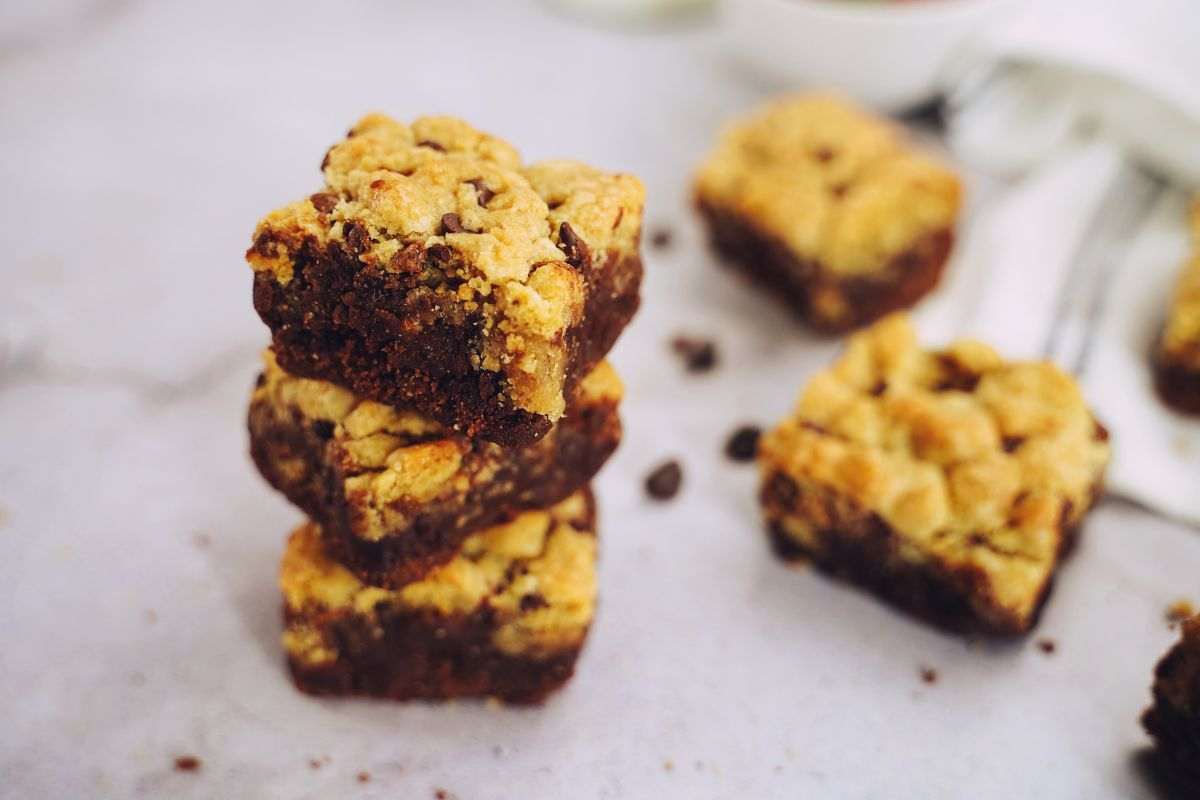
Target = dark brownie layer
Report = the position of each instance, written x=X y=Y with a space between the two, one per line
x=904 y=281
x=300 y=458
x=859 y=546
x=1178 y=386
x=388 y=336
x=423 y=655
x=1174 y=718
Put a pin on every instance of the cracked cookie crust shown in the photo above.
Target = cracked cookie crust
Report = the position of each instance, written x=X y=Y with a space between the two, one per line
x=396 y=493
x=506 y=618
x=830 y=208
x=950 y=482
x=436 y=271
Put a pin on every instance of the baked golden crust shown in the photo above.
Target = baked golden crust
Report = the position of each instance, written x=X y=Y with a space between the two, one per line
x=507 y=231
x=842 y=189
x=534 y=579
x=973 y=464
x=1180 y=342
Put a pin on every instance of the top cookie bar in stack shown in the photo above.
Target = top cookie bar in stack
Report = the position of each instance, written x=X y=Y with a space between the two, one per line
x=435 y=271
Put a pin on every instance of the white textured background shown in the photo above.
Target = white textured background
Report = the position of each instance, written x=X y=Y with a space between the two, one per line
x=139 y=142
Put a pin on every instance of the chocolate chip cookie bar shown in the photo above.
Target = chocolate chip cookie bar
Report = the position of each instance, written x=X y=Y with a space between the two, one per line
x=436 y=271
x=506 y=618
x=1177 y=355
x=830 y=208
x=950 y=482
x=1174 y=719
x=395 y=492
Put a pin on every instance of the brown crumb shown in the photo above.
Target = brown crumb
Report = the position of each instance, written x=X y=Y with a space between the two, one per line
x=442 y=794
x=669 y=765
x=364 y=777
x=661 y=238
x=699 y=355
x=664 y=481
x=202 y=540
x=1047 y=646
x=1180 y=610
x=186 y=763
x=929 y=675
x=151 y=616
x=314 y=763
x=743 y=444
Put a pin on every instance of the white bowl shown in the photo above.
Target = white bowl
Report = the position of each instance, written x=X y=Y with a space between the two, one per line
x=887 y=54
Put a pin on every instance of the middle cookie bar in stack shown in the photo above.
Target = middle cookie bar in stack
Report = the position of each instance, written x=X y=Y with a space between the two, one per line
x=436 y=400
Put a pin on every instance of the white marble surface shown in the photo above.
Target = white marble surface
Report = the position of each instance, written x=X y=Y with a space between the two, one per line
x=138 y=144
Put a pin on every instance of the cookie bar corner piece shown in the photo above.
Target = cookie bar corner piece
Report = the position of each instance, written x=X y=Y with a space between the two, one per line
x=506 y=618
x=830 y=208
x=1176 y=359
x=949 y=482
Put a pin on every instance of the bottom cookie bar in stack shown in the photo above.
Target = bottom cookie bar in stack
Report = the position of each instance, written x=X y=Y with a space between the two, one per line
x=505 y=618
x=1174 y=718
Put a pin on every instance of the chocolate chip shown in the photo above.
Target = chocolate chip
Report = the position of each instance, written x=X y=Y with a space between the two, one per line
x=571 y=245
x=879 y=388
x=1047 y=646
x=824 y=154
x=431 y=145
x=1101 y=432
x=323 y=428
x=187 y=763
x=325 y=160
x=1012 y=443
x=743 y=444
x=699 y=355
x=409 y=259
x=782 y=490
x=356 y=236
x=661 y=239
x=532 y=601
x=324 y=201
x=260 y=381
x=929 y=675
x=451 y=224
x=483 y=195
x=663 y=483
x=838 y=190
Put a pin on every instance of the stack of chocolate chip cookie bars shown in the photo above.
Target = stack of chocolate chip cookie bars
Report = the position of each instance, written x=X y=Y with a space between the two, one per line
x=436 y=400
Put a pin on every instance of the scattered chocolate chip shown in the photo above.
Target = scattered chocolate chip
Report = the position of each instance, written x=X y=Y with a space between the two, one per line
x=442 y=794
x=824 y=154
x=553 y=204
x=451 y=224
x=743 y=444
x=1011 y=443
x=187 y=763
x=483 y=195
x=260 y=381
x=431 y=145
x=929 y=675
x=1101 y=433
x=879 y=388
x=1047 y=646
x=363 y=777
x=532 y=601
x=323 y=428
x=699 y=355
x=663 y=483
x=571 y=245
x=838 y=190
x=378 y=184
x=325 y=160
x=661 y=239
x=324 y=201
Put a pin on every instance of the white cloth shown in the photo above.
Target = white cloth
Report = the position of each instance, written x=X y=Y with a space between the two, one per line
x=1072 y=253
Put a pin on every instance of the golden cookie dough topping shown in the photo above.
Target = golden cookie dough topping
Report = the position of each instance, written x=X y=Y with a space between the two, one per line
x=392 y=457
x=545 y=555
x=1180 y=342
x=974 y=461
x=509 y=231
x=840 y=187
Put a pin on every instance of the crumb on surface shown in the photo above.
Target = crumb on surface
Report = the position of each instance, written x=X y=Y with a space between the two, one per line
x=664 y=481
x=363 y=777
x=1180 y=610
x=699 y=355
x=661 y=238
x=1047 y=646
x=669 y=765
x=151 y=616
x=201 y=540
x=187 y=763
x=742 y=445
x=929 y=675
